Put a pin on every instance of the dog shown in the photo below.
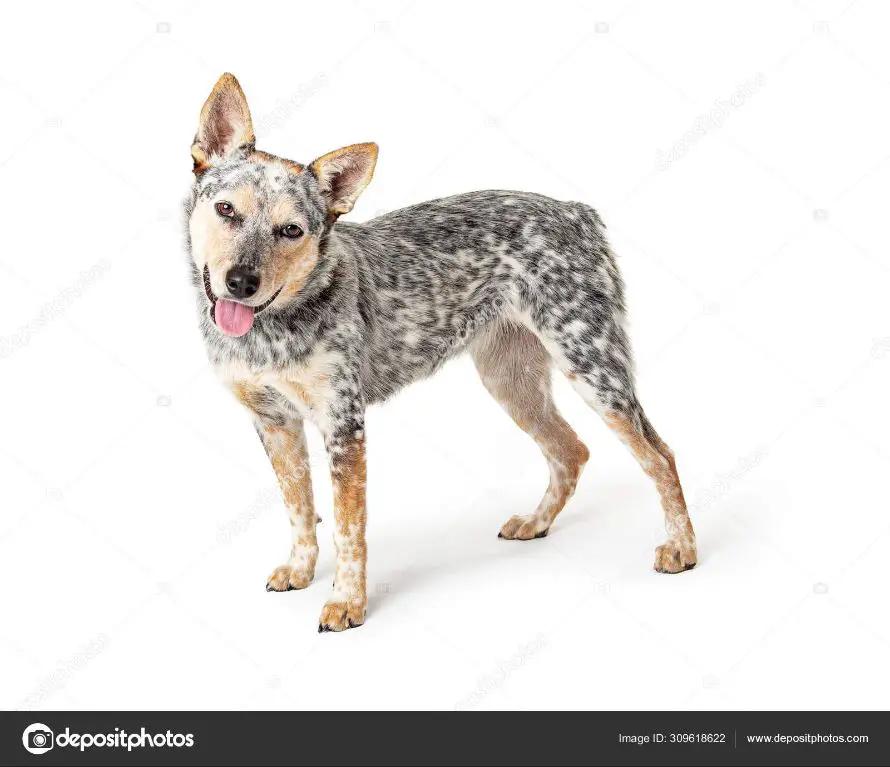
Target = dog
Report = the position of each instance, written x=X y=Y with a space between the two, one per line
x=306 y=318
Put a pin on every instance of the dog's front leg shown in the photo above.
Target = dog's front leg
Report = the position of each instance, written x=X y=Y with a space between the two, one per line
x=346 y=607
x=284 y=439
x=286 y=448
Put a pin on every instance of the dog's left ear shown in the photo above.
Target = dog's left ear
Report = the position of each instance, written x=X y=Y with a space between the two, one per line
x=343 y=174
x=225 y=126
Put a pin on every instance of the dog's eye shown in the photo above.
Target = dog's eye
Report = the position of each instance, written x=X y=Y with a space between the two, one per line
x=291 y=230
x=225 y=209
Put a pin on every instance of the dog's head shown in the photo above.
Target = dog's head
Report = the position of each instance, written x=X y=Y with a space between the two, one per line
x=256 y=221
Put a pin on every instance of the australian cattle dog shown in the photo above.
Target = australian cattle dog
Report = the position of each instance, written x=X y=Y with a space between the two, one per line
x=306 y=317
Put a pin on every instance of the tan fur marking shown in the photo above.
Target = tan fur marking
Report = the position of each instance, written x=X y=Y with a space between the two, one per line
x=346 y=607
x=290 y=463
x=289 y=456
x=200 y=160
x=243 y=198
x=295 y=263
x=212 y=242
x=657 y=460
x=271 y=159
x=350 y=478
x=247 y=395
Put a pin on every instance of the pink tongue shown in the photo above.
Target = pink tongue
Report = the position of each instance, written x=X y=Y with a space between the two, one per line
x=232 y=318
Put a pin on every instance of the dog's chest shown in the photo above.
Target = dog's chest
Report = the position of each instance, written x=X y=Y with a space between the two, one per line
x=306 y=389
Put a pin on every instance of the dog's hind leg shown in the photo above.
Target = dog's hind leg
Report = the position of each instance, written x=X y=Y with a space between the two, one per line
x=657 y=460
x=515 y=369
x=593 y=351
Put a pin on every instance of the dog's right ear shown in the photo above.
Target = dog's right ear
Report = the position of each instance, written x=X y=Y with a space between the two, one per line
x=224 y=126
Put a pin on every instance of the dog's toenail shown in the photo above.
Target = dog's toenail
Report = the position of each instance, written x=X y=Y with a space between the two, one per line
x=500 y=535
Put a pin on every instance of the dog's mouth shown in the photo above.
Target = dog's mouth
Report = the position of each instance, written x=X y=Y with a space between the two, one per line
x=232 y=317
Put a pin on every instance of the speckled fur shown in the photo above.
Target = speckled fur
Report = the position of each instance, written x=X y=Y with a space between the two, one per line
x=516 y=279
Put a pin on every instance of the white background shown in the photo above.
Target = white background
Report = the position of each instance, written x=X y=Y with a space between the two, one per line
x=738 y=153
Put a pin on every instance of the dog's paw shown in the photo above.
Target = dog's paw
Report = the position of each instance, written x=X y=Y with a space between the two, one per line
x=287 y=578
x=524 y=528
x=675 y=556
x=339 y=616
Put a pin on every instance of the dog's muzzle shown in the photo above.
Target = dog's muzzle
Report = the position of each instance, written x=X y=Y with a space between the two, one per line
x=232 y=317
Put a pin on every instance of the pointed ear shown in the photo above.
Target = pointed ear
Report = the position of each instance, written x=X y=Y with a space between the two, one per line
x=343 y=174
x=224 y=126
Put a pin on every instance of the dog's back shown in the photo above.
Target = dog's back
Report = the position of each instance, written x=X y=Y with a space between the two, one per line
x=437 y=274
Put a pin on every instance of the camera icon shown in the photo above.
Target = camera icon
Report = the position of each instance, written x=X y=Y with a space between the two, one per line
x=40 y=739
x=37 y=738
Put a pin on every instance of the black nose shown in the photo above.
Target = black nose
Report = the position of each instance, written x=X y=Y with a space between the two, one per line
x=242 y=283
